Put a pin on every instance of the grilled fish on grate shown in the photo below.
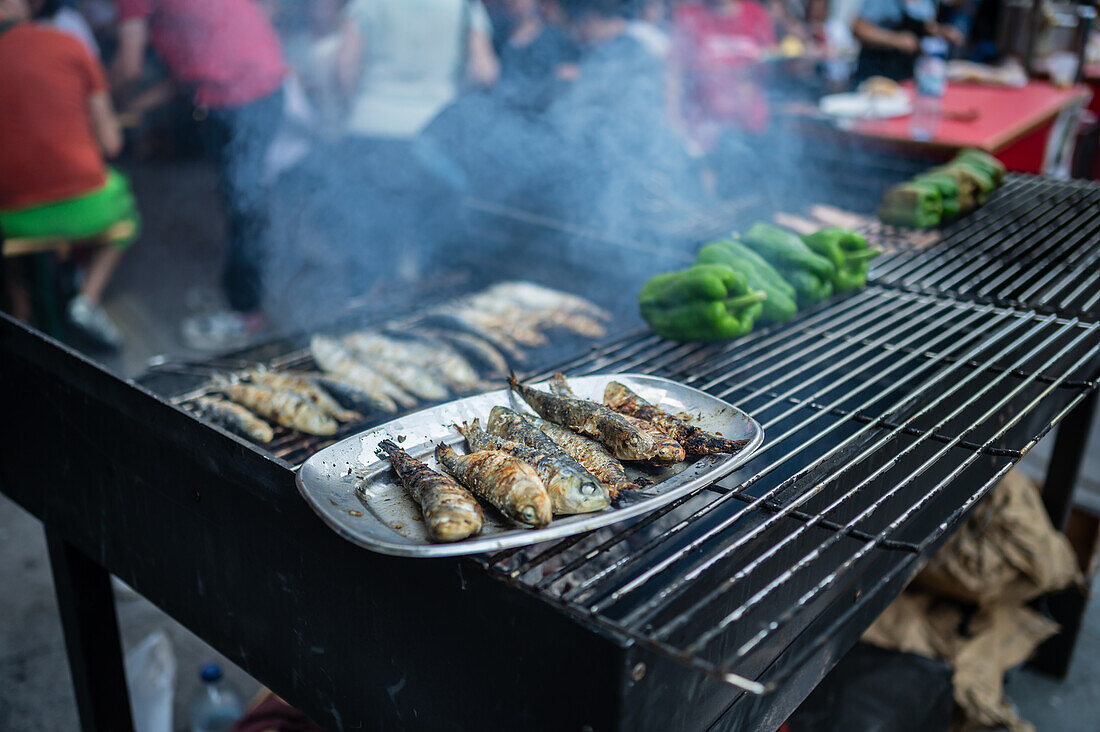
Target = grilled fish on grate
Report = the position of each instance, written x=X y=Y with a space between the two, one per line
x=234 y=418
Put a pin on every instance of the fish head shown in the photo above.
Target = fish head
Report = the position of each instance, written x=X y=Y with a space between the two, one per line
x=640 y=444
x=670 y=453
x=579 y=494
x=532 y=505
x=455 y=525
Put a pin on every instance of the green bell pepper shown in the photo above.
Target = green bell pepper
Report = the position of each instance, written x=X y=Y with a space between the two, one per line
x=705 y=302
x=914 y=204
x=993 y=167
x=949 y=191
x=780 y=305
x=811 y=289
x=784 y=250
x=849 y=253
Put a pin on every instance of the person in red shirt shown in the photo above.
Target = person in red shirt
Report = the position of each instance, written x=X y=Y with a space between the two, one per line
x=229 y=56
x=714 y=45
x=56 y=124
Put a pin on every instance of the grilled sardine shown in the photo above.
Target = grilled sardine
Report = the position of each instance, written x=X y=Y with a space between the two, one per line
x=304 y=388
x=332 y=357
x=396 y=367
x=450 y=512
x=589 y=453
x=349 y=394
x=505 y=481
x=596 y=420
x=472 y=347
x=284 y=407
x=234 y=418
x=695 y=441
x=439 y=359
x=669 y=451
x=572 y=489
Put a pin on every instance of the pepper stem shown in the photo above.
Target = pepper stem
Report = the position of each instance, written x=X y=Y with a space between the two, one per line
x=744 y=300
x=865 y=254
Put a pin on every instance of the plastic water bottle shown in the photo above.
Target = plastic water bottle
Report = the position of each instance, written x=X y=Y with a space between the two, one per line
x=931 y=80
x=216 y=706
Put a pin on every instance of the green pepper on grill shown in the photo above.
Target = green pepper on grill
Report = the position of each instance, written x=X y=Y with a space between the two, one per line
x=993 y=167
x=949 y=191
x=703 y=303
x=780 y=305
x=849 y=253
x=918 y=205
x=809 y=273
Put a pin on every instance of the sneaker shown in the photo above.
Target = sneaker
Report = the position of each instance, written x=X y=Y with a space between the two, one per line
x=221 y=331
x=93 y=322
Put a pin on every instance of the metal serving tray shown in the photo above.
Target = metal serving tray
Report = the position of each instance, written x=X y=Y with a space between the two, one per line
x=358 y=496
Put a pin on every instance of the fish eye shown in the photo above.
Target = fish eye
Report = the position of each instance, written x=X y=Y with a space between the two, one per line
x=588 y=488
x=528 y=513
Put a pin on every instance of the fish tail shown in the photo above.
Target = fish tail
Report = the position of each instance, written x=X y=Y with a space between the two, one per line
x=514 y=383
x=442 y=451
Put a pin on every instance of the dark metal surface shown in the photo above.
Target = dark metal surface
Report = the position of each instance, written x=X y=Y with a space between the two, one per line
x=889 y=414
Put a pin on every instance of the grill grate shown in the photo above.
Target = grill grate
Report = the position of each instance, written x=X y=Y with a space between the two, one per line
x=1033 y=245
x=887 y=415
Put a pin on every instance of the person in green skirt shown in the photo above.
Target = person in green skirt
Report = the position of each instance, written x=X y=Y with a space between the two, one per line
x=56 y=126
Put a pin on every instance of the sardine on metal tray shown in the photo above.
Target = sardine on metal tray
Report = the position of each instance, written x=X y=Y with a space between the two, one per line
x=589 y=453
x=669 y=451
x=596 y=420
x=450 y=512
x=505 y=481
x=572 y=489
x=696 y=441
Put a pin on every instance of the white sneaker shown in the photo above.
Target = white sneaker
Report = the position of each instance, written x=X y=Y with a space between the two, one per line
x=220 y=331
x=94 y=323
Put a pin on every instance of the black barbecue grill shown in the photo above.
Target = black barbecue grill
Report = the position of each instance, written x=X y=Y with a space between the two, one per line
x=888 y=415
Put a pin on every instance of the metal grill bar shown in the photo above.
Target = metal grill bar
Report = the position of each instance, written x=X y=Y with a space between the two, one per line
x=992 y=353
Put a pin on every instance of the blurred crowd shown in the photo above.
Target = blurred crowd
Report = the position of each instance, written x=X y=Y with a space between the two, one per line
x=370 y=118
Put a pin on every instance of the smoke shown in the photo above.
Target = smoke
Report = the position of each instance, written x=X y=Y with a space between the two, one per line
x=579 y=183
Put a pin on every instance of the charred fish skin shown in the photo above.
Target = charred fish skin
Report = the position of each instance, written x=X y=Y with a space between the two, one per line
x=286 y=408
x=572 y=489
x=304 y=388
x=596 y=420
x=450 y=512
x=234 y=418
x=511 y=425
x=669 y=451
x=695 y=441
x=589 y=453
x=505 y=481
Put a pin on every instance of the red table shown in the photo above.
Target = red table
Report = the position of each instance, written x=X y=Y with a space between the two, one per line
x=1013 y=124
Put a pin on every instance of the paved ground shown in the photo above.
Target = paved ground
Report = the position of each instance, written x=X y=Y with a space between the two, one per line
x=178 y=257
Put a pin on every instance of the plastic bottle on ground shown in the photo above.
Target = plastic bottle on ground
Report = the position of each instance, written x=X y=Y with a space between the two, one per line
x=216 y=706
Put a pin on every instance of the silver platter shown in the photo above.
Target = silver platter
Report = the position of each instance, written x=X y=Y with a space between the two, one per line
x=358 y=496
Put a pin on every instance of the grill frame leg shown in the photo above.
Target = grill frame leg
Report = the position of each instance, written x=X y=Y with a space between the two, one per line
x=1067 y=607
x=90 y=625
